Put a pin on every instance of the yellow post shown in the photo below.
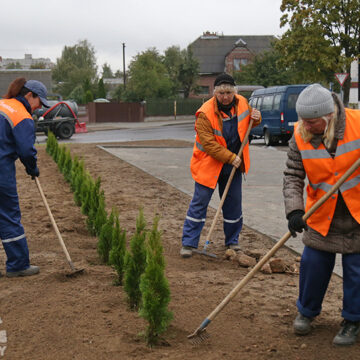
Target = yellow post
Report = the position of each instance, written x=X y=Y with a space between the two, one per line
x=175 y=109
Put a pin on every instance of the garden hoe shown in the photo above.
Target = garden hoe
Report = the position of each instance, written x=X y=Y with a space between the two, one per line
x=223 y=197
x=200 y=333
x=74 y=271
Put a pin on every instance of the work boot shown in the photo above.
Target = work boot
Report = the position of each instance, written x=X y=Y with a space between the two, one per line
x=347 y=334
x=32 y=270
x=235 y=247
x=186 y=251
x=302 y=324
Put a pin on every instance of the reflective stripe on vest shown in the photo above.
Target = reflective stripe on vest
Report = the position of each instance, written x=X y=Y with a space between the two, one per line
x=323 y=172
x=205 y=170
x=13 y=111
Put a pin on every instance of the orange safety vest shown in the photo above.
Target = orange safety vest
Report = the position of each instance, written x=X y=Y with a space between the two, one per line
x=205 y=169
x=14 y=111
x=323 y=171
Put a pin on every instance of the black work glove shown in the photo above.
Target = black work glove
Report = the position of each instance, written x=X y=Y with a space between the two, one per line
x=296 y=222
x=33 y=172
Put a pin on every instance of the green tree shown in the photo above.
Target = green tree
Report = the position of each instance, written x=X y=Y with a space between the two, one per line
x=182 y=68
x=266 y=69
x=77 y=94
x=118 y=251
x=119 y=74
x=101 y=93
x=323 y=38
x=106 y=71
x=135 y=262
x=89 y=97
x=172 y=60
x=105 y=238
x=38 y=65
x=147 y=77
x=188 y=73
x=14 y=65
x=76 y=63
x=155 y=288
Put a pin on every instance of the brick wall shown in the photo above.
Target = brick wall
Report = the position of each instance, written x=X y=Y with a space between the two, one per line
x=205 y=81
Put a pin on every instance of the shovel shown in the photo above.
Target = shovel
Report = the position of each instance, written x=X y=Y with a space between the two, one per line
x=74 y=271
x=223 y=197
x=200 y=333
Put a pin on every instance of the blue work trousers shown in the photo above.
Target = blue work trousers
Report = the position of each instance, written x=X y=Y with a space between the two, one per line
x=11 y=231
x=315 y=271
x=232 y=211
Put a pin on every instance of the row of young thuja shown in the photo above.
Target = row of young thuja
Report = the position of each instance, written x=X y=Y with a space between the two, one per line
x=141 y=269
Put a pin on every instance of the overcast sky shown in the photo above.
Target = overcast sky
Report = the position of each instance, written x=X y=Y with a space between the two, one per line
x=43 y=27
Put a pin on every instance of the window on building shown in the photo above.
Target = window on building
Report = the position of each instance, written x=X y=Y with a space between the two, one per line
x=238 y=63
x=204 y=90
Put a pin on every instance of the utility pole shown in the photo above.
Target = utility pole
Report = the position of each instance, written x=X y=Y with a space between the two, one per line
x=123 y=44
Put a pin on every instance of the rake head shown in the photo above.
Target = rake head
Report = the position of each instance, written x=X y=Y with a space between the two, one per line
x=199 y=336
x=75 y=273
x=204 y=252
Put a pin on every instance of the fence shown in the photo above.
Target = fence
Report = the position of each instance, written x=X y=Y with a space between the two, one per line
x=157 y=107
x=115 y=112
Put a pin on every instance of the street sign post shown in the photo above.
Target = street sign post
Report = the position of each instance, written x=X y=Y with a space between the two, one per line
x=341 y=77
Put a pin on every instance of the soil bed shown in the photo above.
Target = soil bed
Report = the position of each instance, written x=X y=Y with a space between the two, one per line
x=50 y=316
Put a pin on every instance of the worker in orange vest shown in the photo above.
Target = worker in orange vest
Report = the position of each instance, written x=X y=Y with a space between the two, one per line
x=221 y=124
x=17 y=138
x=325 y=143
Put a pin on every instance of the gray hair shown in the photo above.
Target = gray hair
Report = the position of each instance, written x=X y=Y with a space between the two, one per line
x=224 y=87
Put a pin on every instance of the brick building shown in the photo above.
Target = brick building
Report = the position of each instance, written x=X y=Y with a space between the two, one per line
x=225 y=53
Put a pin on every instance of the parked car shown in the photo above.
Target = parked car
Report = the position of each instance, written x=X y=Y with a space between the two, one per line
x=277 y=106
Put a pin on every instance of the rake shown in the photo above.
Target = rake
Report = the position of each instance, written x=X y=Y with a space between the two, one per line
x=200 y=334
x=74 y=271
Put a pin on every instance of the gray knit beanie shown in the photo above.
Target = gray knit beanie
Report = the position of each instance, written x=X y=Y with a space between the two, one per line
x=314 y=101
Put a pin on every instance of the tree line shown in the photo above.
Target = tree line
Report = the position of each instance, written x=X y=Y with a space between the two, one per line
x=150 y=75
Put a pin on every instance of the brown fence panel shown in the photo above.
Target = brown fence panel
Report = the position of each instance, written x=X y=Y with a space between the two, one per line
x=115 y=112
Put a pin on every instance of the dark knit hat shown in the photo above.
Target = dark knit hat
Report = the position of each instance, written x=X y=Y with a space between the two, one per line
x=224 y=79
x=314 y=102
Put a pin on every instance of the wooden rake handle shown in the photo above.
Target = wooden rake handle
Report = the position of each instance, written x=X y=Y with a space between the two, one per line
x=54 y=224
x=282 y=241
x=223 y=197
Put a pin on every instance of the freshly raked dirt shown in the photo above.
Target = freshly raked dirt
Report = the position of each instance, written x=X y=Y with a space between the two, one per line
x=50 y=316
